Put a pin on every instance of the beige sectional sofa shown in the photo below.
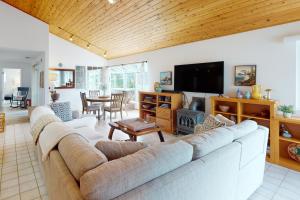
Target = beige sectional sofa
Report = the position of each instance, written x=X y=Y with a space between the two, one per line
x=224 y=163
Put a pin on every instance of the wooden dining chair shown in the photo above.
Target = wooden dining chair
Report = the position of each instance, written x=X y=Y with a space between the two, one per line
x=115 y=106
x=89 y=108
x=94 y=93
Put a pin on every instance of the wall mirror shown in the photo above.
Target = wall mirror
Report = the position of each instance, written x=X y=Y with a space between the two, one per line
x=61 y=78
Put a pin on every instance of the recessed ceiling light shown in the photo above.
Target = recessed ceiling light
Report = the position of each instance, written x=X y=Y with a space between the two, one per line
x=71 y=38
x=112 y=1
x=88 y=45
x=105 y=54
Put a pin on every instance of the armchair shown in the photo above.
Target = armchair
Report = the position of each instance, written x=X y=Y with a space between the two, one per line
x=20 y=98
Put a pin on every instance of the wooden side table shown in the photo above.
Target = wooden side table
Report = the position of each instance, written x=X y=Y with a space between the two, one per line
x=2 y=122
x=133 y=134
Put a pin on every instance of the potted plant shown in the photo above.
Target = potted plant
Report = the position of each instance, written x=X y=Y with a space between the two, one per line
x=287 y=110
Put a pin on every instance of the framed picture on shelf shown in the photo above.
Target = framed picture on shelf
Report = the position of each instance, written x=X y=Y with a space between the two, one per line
x=166 y=78
x=245 y=75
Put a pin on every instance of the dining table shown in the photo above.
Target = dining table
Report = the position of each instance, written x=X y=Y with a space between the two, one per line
x=99 y=99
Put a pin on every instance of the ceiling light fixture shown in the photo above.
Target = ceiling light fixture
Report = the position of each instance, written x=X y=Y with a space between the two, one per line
x=88 y=44
x=112 y=1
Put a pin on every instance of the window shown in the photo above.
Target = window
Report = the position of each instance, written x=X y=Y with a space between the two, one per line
x=117 y=81
x=129 y=77
x=93 y=78
x=80 y=77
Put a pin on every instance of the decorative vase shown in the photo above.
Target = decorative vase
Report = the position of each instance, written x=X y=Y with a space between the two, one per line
x=239 y=93
x=247 y=95
x=54 y=96
x=287 y=115
x=268 y=95
x=256 y=92
x=157 y=87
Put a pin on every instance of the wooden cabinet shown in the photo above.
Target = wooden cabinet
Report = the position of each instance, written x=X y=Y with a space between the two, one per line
x=264 y=112
x=161 y=108
x=163 y=113
x=292 y=125
x=261 y=111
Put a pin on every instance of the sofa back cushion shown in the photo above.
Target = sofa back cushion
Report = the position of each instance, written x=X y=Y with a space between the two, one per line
x=119 y=176
x=79 y=155
x=117 y=149
x=209 y=141
x=62 y=110
x=253 y=145
x=243 y=128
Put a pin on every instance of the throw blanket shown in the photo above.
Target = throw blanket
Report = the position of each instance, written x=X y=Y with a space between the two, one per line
x=38 y=112
x=51 y=136
x=40 y=124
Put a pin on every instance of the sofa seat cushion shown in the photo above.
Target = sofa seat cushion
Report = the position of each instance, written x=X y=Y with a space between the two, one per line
x=209 y=141
x=119 y=176
x=243 y=128
x=89 y=121
x=117 y=149
x=62 y=110
x=252 y=144
x=79 y=155
x=89 y=133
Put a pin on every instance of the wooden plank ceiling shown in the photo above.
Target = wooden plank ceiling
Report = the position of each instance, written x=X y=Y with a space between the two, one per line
x=133 y=26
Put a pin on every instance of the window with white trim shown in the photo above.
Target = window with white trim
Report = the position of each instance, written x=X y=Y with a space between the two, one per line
x=129 y=77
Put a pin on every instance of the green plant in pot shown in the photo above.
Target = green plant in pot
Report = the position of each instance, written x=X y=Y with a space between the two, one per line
x=287 y=110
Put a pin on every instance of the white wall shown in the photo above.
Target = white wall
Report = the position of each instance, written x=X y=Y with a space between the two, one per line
x=20 y=31
x=275 y=59
x=70 y=55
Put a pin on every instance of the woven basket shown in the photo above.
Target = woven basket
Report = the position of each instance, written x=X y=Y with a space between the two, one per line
x=2 y=122
x=294 y=151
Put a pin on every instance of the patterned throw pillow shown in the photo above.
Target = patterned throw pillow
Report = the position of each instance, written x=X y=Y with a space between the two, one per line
x=211 y=122
x=62 y=110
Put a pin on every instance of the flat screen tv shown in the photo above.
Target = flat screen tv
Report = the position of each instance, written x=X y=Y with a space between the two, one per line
x=201 y=77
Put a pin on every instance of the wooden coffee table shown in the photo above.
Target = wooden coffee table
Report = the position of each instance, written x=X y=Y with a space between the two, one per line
x=133 y=134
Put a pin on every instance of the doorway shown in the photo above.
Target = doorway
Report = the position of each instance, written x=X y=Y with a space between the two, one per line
x=11 y=80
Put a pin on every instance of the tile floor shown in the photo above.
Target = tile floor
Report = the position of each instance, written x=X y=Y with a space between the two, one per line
x=21 y=179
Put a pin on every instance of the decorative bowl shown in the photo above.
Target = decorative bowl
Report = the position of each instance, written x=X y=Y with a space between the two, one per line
x=224 y=108
x=294 y=151
x=146 y=106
